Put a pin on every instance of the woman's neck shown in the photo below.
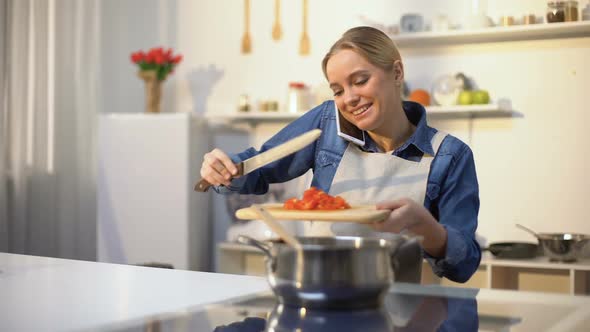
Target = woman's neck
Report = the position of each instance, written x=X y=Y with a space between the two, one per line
x=395 y=131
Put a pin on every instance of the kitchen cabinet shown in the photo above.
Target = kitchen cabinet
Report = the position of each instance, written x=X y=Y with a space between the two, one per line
x=537 y=274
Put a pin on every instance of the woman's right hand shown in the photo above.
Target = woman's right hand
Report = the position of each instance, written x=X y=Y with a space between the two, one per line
x=218 y=168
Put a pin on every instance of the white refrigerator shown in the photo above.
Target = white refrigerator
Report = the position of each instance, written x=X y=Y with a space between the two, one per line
x=148 y=212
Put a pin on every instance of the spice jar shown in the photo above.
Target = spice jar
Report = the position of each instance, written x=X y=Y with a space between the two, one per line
x=297 y=97
x=555 y=11
x=586 y=13
x=506 y=21
x=244 y=103
x=529 y=19
x=571 y=11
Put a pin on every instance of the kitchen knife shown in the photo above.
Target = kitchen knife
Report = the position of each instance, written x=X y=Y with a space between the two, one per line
x=267 y=157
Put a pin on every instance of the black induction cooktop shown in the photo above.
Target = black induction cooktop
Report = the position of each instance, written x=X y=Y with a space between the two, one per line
x=399 y=312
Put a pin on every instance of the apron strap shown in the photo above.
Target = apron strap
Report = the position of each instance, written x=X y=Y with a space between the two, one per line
x=437 y=140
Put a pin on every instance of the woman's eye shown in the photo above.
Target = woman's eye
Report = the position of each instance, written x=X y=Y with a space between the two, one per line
x=337 y=93
x=361 y=82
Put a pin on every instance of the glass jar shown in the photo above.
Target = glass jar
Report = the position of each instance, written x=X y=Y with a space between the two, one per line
x=297 y=97
x=571 y=11
x=555 y=11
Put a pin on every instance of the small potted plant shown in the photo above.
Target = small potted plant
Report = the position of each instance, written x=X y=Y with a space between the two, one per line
x=154 y=67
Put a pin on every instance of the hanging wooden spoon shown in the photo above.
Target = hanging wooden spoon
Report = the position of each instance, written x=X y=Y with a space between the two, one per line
x=277 y=31
x=304 y=42
x=246 y=42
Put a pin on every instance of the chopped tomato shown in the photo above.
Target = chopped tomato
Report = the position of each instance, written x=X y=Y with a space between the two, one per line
x=290 y=203
x=316 y=199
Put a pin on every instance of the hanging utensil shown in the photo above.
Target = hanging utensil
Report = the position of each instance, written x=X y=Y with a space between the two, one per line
x=277 y=31
x=246 y=42
x=304 y=43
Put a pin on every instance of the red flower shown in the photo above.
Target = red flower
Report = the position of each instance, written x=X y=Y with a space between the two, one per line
x=177 y=59
x=159 y=59
x=163 y=61
x=150 y=57
x=136 y=57
x=168 y=55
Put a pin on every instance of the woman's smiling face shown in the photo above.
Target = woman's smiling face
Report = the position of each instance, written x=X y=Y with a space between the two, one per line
x=363 y=92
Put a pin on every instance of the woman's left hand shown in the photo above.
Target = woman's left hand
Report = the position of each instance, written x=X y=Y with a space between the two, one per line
x=409 y=215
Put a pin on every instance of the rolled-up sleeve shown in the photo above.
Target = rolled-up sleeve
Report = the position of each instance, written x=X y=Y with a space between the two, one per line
x=458 y=208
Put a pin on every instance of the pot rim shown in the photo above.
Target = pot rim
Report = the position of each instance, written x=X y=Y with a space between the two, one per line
x=342 y=242
x=563 y=236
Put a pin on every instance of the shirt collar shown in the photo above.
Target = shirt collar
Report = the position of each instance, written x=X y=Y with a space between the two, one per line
x=420 y=138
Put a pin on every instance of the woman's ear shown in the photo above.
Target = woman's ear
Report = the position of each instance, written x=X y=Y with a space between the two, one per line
x=398 y=71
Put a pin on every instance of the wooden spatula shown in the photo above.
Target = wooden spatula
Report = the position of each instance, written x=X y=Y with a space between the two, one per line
x=274 y=225
x=277 y=31
x=246 y=42
x=304 y=44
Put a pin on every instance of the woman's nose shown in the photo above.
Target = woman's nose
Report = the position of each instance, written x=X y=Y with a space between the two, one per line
x=351 y=98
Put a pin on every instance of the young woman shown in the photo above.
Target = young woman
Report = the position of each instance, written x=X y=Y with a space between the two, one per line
x=425 y=177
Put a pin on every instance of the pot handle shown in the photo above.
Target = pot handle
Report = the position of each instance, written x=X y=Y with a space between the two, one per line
x=406 y=261
x=243 y=239
x=270 y=260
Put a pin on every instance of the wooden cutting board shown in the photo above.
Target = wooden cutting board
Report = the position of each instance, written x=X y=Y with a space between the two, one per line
x=357 y=213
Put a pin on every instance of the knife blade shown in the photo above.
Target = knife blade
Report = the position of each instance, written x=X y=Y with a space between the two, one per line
x=280 y=151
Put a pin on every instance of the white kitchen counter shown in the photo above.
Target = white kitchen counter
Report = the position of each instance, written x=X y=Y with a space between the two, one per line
x=49 y=294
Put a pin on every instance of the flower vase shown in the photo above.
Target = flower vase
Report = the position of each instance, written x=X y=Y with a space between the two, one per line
x=153 y=90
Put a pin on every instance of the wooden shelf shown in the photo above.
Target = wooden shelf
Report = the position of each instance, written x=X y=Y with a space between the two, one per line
x=494 y=34
x=480 y=111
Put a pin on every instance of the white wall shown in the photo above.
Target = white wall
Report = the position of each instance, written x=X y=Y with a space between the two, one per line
x=128 y=26
x=531 y=168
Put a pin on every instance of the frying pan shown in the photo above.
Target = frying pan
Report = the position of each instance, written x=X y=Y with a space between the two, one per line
x=513 y=250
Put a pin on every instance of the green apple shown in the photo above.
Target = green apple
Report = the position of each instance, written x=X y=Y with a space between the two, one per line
x=465 y=97
x=481 y=97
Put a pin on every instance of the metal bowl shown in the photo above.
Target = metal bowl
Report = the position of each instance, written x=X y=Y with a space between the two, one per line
x=565 y=247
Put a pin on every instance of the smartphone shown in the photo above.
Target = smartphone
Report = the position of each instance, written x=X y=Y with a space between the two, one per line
x=347 y=130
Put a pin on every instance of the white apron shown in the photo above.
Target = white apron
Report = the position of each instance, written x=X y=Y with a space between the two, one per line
x=369 y=178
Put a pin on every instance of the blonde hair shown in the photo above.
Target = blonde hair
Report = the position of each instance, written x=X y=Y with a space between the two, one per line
x=370 y=43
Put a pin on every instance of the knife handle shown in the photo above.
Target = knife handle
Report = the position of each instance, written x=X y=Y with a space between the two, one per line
x=204 y=185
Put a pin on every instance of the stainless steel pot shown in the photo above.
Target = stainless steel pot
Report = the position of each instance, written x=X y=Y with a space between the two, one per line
x=566 y=247
x=339 y=272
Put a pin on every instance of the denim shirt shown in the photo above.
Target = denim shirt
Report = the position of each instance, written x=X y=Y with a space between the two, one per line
x=452 y=194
